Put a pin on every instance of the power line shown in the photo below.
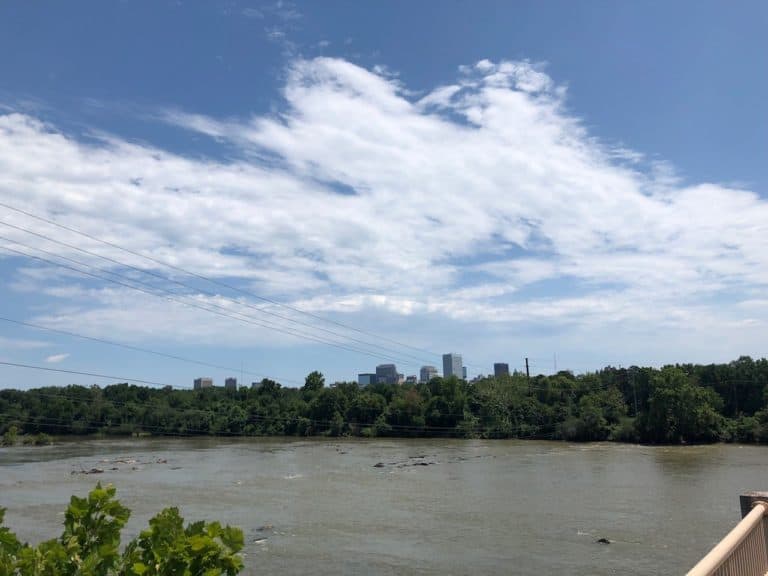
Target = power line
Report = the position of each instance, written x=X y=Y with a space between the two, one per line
x=65 y=423
x=208 y=279
x=140 y=349
x=194 y=288
x=240 y=317
x=62 y=370
x=260 y=322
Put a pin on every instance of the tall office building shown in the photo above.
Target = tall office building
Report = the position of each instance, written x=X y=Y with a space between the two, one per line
x=427 y=373
x=201 y=383
x=464 y=372
x=387 y=374
x=500 y=369
x=230 y=383
x=367 y=379
x=452 y=365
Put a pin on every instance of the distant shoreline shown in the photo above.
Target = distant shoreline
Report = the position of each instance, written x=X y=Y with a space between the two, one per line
x=676 y=405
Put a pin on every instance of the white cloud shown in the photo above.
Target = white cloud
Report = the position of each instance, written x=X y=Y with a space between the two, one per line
x=21 y=344
x=481 y=201
x=56 y=358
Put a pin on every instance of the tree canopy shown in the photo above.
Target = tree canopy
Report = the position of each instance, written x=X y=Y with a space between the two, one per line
x=685 y=403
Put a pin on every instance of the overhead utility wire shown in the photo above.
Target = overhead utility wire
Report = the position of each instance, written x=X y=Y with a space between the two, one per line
x=212 y=280
x=240 y=317
x=205 y=292
x=105 y=376
x=139 y=349
x=65 y=423
x=260 y=322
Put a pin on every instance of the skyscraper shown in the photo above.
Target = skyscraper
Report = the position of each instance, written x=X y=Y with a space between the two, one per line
x=230 y=383
x=452 y=365
x=427 y=373
x=387 y=374
x=500 y=369
x=201 y=383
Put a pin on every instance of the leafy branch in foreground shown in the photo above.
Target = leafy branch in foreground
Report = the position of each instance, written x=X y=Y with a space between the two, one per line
x=90 y=544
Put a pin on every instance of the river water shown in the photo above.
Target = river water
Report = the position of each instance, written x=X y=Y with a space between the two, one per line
x=429 y=507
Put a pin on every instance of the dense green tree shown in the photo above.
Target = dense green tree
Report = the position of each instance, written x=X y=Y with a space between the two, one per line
x=680 y=410
x=314 y=381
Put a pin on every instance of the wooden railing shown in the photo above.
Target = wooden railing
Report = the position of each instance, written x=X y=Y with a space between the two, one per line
x=744 y=551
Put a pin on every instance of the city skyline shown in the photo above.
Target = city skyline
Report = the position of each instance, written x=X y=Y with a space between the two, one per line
x=339 y=187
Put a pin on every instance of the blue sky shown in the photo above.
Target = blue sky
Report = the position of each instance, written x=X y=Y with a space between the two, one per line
x=580 y=183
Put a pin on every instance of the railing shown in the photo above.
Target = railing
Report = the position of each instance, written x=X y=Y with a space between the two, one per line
x=744 y=551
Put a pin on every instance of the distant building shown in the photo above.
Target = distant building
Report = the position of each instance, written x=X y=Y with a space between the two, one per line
x=411 y=379
x=427 y=373
x=230 y=383
x=400 y=378
x=452 y=365
x=500 y=369
x=464 y=372
x=201 y=383
x=367 y=379
x=387 y=374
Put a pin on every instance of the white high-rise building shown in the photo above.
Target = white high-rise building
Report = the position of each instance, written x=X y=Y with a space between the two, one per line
x=452 y=365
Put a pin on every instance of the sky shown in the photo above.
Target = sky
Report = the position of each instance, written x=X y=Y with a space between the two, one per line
x=265 y=189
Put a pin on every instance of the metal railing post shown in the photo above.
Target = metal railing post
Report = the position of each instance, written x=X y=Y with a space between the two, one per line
x=748 y=499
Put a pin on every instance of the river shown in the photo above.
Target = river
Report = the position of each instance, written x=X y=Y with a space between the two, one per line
x=429 y=507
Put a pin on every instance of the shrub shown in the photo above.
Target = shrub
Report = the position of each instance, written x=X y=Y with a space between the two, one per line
x=10 y=436
x=90 y=544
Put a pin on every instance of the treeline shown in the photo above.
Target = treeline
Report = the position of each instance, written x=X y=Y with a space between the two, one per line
x=685 y=403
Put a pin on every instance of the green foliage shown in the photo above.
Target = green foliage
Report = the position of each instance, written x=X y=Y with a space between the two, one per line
x=314 y=382
x=90 y=544
x=679 y=411
x=167 y=548
x=10 y=436
x=40 y=439
x=624 y=431
x=677 y=404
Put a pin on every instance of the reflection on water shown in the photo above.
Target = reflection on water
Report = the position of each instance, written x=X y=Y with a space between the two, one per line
x=409 y=507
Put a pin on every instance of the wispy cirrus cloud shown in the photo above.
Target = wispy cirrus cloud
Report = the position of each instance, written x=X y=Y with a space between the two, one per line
x=482 y=201
x=56 y=358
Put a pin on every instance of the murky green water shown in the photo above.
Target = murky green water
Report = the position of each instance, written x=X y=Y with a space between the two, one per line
x=496 y=507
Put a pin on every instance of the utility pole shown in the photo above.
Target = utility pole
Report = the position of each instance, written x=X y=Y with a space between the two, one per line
x=634 y=388
x=528 y=375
